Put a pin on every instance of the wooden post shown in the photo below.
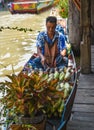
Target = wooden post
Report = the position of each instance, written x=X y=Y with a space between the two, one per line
x=85 y=48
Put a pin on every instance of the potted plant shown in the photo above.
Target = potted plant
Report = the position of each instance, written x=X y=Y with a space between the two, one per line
x=22 y=98
x=27 y=97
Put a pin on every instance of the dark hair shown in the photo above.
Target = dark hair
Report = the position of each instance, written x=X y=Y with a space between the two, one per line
x=51 y=19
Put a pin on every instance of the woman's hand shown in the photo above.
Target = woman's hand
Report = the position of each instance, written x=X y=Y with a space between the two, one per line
x=63 y=52
x=43 y=60
x=41 y=56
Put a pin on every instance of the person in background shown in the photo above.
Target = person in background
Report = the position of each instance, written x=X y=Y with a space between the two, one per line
x=51 y=47
x=2 y=3
x=53 y=12
x=60 y=27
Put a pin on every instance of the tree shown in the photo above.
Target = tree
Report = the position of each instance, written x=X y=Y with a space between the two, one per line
x=63 y=8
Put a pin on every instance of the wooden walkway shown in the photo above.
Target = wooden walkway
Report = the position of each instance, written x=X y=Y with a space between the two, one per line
x=82 y=117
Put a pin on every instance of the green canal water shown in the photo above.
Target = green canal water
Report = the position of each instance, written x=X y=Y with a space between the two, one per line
x=16 y=47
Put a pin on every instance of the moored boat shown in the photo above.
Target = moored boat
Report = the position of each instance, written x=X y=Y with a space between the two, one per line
x=58 y=123
x=30 y=6
x=68 y=91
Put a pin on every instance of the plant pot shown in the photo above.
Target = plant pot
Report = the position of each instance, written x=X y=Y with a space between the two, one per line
x=35 y=123
x=32 y=120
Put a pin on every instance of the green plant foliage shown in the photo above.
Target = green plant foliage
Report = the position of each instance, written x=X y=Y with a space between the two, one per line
x=63 y=8
x=15 y=28
x=27 y=95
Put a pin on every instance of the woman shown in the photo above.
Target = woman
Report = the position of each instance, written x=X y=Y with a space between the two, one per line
x=51 y=47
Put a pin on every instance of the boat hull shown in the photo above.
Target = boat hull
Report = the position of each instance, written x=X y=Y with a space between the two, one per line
x=33 y=7
x=60 y=123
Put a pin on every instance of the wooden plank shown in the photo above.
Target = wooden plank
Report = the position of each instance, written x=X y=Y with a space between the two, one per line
x=76 y=128
x=86 y=78
x=83 y=108
x=85 y=96
x=82 y=116
x=79 y=125
x=92 y=58
x=84 y=100
x=92 y=70
x=86 y=81
x=86 y=86
x=85 y=92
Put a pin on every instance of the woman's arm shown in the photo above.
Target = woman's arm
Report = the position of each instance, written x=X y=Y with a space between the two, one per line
x=41 y=56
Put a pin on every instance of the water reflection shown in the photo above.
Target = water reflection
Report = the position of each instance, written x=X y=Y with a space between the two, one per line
x=16 y=47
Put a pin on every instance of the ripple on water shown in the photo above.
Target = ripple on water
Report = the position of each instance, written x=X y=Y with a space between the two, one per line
x=16 y=47
x=7 y=55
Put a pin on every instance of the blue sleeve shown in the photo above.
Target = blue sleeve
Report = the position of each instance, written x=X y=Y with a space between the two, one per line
x=62 y=42
x=60 y=29
x=40 y=41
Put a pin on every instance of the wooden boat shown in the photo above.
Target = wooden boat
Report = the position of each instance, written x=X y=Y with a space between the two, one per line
x=60 y=123
x=57 y=123
x=30 y=6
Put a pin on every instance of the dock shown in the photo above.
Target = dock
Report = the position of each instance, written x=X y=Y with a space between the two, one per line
x=82 y=117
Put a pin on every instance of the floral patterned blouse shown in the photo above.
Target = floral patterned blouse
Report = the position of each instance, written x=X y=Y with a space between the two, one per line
x=43 y=36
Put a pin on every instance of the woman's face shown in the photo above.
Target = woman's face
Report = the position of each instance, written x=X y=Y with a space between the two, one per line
x=50 y=28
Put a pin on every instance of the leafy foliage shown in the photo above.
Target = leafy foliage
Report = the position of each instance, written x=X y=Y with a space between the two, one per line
x=63 y=8
x=27 y=96
x=15 y=28
x=21 y=95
